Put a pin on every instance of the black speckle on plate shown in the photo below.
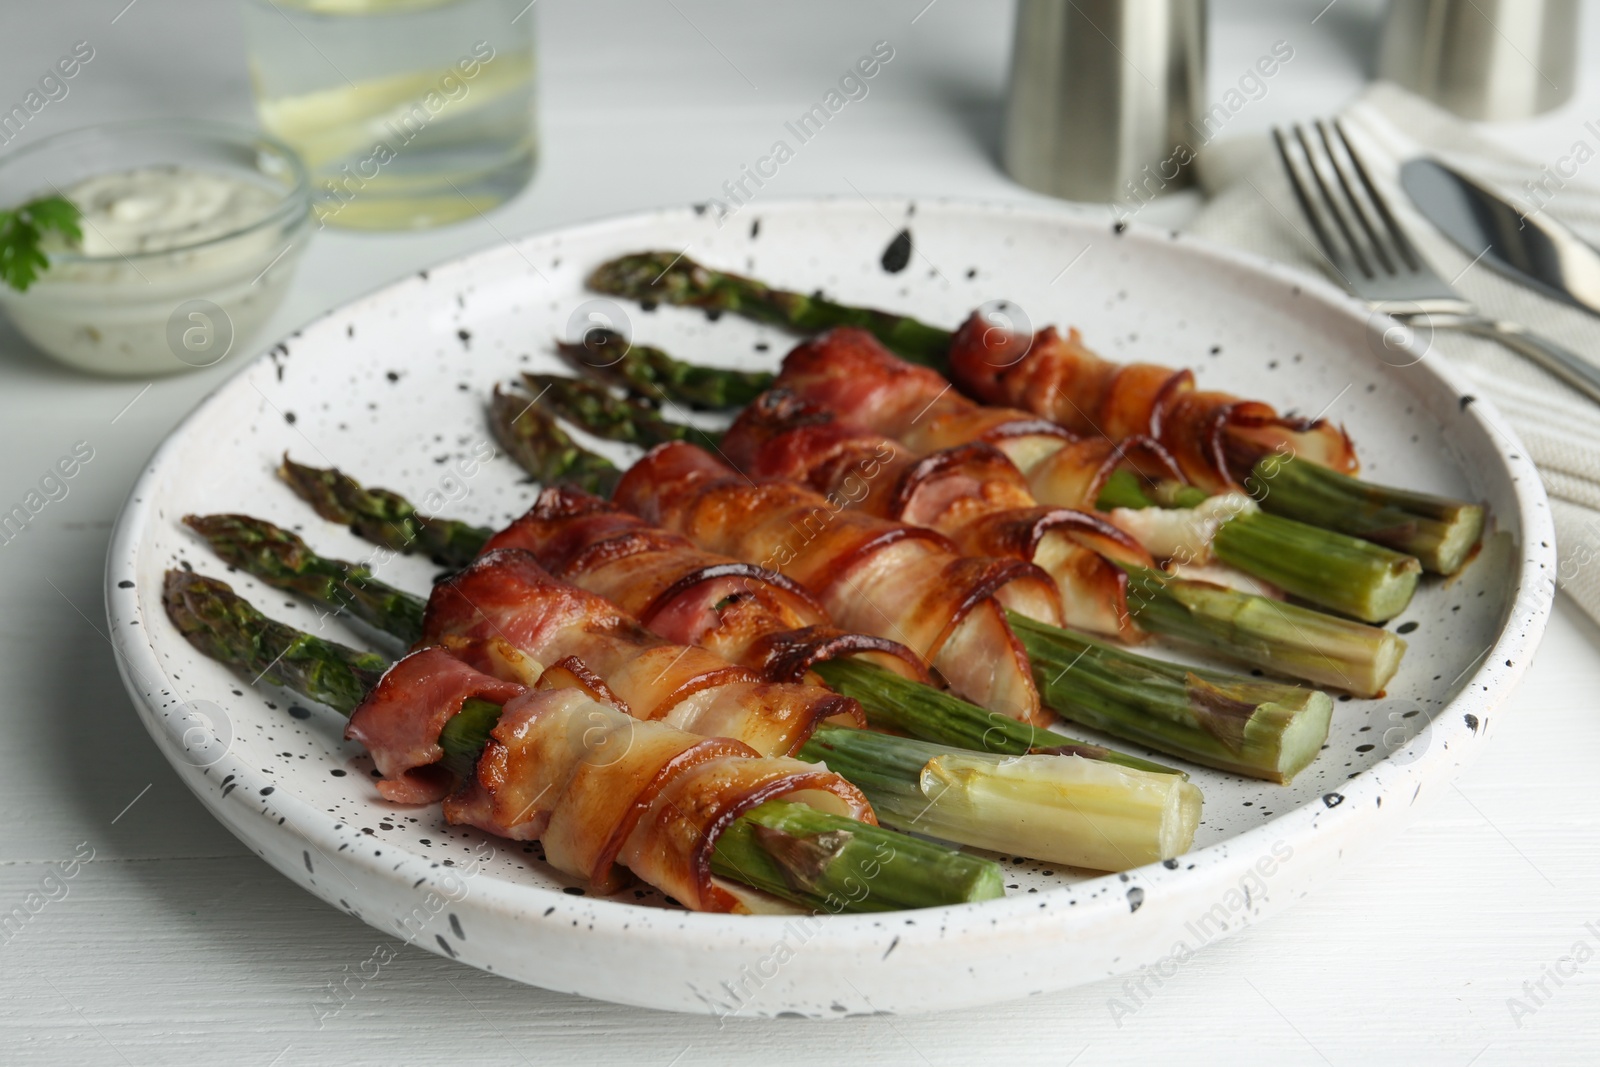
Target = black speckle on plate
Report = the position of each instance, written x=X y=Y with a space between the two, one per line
x=1466 y=400
x=1333 y=800
x=1472 y=722
x=1406 y=627
x=124 y=584
x=898 y=255
x=1135 y=898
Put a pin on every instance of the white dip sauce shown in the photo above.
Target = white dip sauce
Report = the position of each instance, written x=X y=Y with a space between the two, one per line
x=172 y=269
x=156 y=209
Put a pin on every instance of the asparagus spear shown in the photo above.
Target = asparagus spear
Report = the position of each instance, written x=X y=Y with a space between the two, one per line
x=544 y=449
x=672 y=278
x=895 y=703
x=1261 y=729
x=1440 y=532
x=382 y=517
x=227 y=628
x=1281 y=638
x=624 y=419
x=811 y=858
x=263 y=549
x=650 y=372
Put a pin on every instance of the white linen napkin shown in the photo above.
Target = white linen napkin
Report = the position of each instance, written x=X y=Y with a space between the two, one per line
x=1254 y=208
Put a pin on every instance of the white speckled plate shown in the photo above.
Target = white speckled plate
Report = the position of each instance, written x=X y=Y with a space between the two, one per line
x=391 y=388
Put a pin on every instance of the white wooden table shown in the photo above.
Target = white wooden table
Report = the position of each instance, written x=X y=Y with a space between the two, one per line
x=175 y=945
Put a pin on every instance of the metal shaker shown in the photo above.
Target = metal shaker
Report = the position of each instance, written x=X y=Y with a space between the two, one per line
x=1103 y=96
x=1483 y=59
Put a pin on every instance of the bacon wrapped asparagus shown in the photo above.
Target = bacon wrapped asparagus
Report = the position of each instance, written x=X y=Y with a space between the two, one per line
x=1117 y=697
x=1128 y=696
x=1056 y=807
x=976 y=495
x=1296 y=468
x=849 y=375
x=697 y=818
x=579 y=538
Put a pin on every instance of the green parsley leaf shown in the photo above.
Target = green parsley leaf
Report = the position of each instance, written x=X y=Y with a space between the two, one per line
x=22 y=229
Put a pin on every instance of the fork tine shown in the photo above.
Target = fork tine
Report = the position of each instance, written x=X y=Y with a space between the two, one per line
x=1331 y=203
x=1396 y=234
x=1379 y=253
x=1330 y=248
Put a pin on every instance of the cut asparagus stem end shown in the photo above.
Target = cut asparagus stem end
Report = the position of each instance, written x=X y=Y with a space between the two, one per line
x=227 y=628
x=1442 y=533
x=544 y=449
x=830 y=863
x=653 y=375
x=1261 y=729
x=284 y=561
x=1058 y=808
x=895 y=703
x=382 y=517
x=1284 y=639
x=1329 y=569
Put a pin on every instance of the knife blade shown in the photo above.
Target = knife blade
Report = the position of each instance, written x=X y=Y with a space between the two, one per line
x=1534 y=250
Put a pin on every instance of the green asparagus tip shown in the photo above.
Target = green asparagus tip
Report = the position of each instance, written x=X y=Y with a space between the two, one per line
x=596 y=410
x=227 y=628
x=655 y=377
x=284 y=561
x=542 y=448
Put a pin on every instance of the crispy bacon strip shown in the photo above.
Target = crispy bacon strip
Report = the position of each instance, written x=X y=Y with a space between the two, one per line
x=599 y=789
x=744 y=613
x=849 y=373
x=1213 y=435
x=972 y=493
x=505 y=601
x=405 y=748
x=906 y=583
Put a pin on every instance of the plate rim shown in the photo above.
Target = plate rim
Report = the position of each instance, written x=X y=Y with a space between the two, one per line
x=1500 y=670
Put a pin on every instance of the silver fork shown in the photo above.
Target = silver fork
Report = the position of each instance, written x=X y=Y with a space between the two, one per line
x=1370 y=253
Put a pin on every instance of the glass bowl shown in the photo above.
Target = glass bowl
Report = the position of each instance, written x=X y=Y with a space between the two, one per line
x=160 y=312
